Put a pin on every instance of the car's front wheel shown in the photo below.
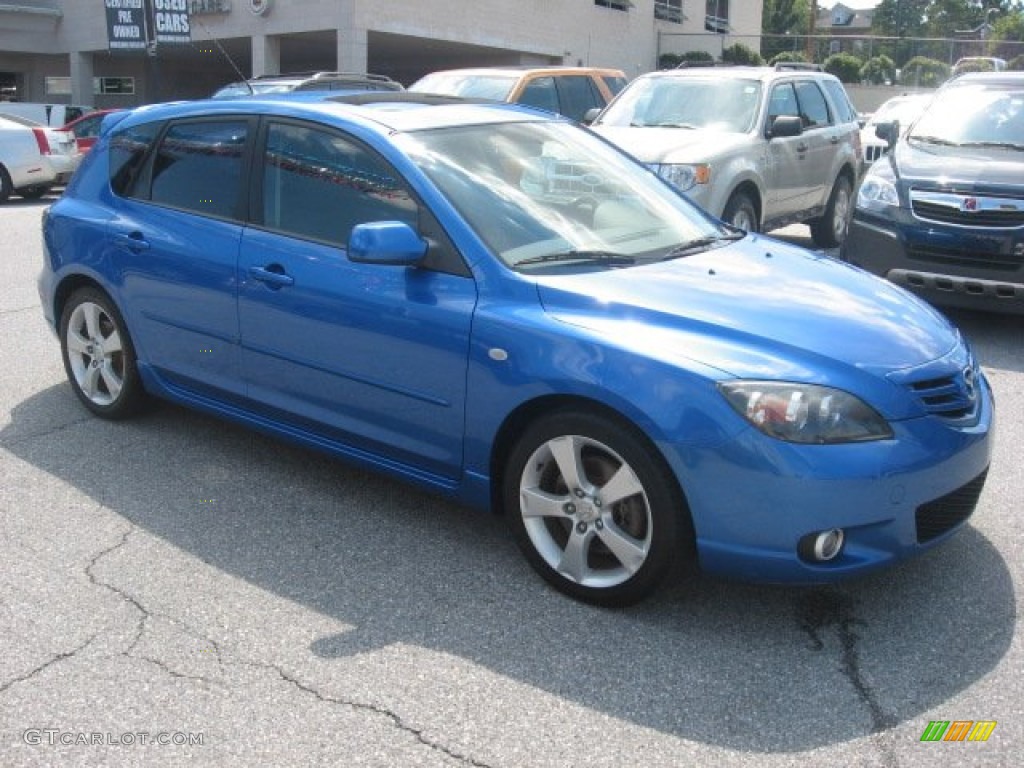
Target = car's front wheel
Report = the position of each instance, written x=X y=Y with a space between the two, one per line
x=6 y=187
x=741 y=213
x=98 y=355
x=594 y=508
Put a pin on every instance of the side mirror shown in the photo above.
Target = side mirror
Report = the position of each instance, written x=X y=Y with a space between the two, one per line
x=386 y=242
x=785 y=125
x=888 y=132
x=591 y=115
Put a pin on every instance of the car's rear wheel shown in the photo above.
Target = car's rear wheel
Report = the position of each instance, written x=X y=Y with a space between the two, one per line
x=830 y=230
x=6 y=187
x=741 y=213
x=98 y=355
x=594 y=508
x=33 y=193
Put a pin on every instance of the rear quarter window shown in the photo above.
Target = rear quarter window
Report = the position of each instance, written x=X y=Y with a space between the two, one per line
x=845 y=111
x=128 y=150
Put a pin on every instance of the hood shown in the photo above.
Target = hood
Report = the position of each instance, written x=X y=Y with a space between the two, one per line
x=672 y=145
x=965 y=168
x=758 y=308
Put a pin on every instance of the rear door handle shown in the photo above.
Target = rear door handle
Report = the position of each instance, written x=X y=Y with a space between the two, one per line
x=801 y=147
x=133 y=241
x=273 y=275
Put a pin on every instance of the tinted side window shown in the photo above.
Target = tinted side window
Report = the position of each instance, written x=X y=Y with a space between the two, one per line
x=540 y=92
x=319 y=185
x=813 y=107
x=615 y=84
x=128 y=149
x=578 y=94
x=198 y=167
x=846 y=113
x=783 y=102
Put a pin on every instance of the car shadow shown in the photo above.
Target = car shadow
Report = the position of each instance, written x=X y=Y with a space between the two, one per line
x=744 y=667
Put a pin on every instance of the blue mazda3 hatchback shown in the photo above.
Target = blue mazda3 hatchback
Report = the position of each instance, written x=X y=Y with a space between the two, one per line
x=499 y=306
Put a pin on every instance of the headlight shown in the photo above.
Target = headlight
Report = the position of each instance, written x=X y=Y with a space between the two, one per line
x=685 y=177
x=877 y=193
x=805 y=413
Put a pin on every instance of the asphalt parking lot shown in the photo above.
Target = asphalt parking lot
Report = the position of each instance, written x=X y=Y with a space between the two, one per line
x=181 y=591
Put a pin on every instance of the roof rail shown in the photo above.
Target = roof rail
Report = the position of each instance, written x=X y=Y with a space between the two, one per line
x=797 y=66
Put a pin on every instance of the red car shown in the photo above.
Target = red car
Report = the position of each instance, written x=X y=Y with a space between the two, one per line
x=87 y=128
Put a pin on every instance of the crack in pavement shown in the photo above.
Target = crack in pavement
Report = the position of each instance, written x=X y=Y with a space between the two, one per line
x=45 y=665
x=17 y=310
x=826 y=608
x=18 y=439
x=398 y=721
x=144 y=616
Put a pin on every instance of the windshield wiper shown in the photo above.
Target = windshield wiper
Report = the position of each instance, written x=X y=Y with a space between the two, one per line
x=687 y=126
x=701 y=244
x=602 y=257
x=995 y=144
x=936 y=140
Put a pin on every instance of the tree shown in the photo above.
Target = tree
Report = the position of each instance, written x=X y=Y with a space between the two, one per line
x=741 y=54
x=782 y=23
x=845 y=66
x=900 y=18
x=878 y=70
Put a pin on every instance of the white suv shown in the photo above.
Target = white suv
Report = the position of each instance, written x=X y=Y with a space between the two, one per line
x=758 y=147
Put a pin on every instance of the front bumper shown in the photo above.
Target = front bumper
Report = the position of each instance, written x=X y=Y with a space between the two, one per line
x=964 y=267
x=753 y=500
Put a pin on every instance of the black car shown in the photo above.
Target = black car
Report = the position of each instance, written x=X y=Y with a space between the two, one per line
x=942 y=213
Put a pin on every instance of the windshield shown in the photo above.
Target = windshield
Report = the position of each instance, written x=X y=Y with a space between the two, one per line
x=674 y=102
x=546 y=192
x=905 y=109
x=494 y=87
x=975 y=114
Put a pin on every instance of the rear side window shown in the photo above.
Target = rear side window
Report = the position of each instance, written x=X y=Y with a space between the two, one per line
x=318 y=185
x=614 y=83
x=128 y=150
x=813 y=107
x=198 y=167
x=540 y=92
x=578 y=93
x=845 y=111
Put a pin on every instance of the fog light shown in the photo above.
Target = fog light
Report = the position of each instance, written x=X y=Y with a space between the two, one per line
x=821 y=547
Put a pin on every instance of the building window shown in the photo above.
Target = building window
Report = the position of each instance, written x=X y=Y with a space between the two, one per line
x=618 y=5
x=669 y=10
x=716 y=16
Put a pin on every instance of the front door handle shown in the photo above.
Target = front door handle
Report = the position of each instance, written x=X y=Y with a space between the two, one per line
x=273 y=275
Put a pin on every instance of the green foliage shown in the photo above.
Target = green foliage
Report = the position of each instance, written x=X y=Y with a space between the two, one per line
x=673 y=60
x=878 y=70
x=1016 y=63
x=787 y=56
x=922 y=71
x=782 y=16
x=742 y=54
x=845 y=66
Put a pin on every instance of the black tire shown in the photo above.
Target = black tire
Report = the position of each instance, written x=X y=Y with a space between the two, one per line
x=741 y=212
x=99 y=358
x=6 y=187
x=624 y=545
x=830 y=230
x=33 y=193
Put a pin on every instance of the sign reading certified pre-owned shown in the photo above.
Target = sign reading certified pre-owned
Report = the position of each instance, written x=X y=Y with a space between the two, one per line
x=170 y=21
x=126 y=25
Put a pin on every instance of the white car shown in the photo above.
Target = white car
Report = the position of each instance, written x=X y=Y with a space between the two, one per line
x=905 y=108
x=33 y=157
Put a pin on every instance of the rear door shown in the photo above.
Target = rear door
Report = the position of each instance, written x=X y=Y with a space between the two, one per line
x=823 y=136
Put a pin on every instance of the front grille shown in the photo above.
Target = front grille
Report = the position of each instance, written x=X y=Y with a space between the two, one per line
x=967 y=210
x=953 y=397
x=946 y=512
x=974 y=259
x=872 y=152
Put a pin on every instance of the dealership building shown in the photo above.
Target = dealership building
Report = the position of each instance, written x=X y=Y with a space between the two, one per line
x=115 y=53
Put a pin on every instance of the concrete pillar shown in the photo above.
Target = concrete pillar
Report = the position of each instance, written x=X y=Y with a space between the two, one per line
x=353 y=50
x=81 y=78
x=266 y=55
